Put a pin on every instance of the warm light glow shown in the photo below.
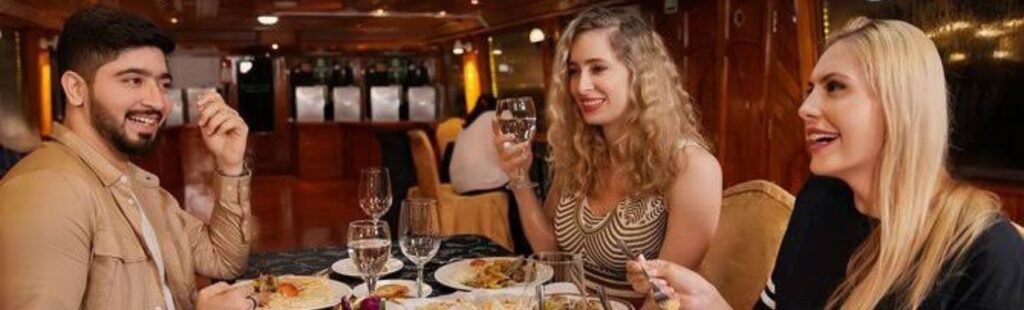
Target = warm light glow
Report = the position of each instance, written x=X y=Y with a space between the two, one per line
x=474 y=2
x=497 y=51
x=1014 y=23
x=951 y=27
x=442 y=14
x=536 y=35
x=471 y=80
x=954 y=57
x=380 y=12
x=274 y=46
x=174 y=20
x=1000 y=54
x=46 y=101
x=267 y=20
x=988 y=33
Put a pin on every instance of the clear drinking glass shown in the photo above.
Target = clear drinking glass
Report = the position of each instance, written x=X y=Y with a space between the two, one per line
x=369 y=246
x=517 y=117
x=374 y=191
x=419 y=234
x=564 y=268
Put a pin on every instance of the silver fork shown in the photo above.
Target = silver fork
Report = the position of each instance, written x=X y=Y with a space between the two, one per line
x=659 y=296
x=604 y=298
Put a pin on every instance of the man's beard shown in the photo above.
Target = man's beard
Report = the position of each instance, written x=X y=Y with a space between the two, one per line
x=108 y=126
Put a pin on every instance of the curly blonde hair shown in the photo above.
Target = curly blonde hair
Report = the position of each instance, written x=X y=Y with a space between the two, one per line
x=659 y=116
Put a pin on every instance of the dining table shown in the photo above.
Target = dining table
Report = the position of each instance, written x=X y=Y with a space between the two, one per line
x=316 y=260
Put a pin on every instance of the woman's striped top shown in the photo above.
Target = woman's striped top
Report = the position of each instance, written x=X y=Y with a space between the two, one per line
x=640 y=221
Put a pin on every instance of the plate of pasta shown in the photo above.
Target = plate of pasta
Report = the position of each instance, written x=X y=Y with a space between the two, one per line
x=291 y=292
x=492 y=274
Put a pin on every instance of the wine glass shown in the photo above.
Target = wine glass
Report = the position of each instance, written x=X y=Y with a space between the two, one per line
x=374 y=191
x=566 y=267
x=369 y=246
x=419 y=234
x=517 y=117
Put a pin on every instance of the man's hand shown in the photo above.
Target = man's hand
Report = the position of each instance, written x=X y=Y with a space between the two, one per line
x=224 y=132
x=221 y=296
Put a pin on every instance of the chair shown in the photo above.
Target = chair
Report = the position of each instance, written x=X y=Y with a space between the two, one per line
x=484 y=214
x=446 y=133
x=741 y=257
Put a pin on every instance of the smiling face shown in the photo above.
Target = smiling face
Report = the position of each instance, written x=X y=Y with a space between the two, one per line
x=844 y=120
x=127 y=98
x=598 y=80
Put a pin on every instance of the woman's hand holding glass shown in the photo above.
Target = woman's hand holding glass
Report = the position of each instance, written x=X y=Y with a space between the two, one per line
x=514 y=158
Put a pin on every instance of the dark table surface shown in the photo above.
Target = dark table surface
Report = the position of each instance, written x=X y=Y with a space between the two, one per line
x=309 y=261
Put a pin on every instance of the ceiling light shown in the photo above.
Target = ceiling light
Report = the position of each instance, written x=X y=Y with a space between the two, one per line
x=245 y=66
x=536 y=35
x=380 y=12
x=274 y=46
x=442 y=14
x=174 y=20
x=267 y=20
x=496 y=51
x=457 y=49
x=474 y=2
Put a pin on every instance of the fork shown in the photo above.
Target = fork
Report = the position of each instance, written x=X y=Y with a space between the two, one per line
x=659 y=296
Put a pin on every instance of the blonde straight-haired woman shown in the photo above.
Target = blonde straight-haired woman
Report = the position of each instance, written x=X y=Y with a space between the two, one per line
x=876 y=120
x=627 y=154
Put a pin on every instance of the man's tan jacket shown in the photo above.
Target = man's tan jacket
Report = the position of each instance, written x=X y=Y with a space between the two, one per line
x=71 y=234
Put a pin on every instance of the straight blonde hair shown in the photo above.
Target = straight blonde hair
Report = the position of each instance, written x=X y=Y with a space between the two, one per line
x=659 y=116
x=926 y=220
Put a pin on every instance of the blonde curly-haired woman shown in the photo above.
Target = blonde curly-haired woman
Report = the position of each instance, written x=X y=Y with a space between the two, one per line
x=627 y=155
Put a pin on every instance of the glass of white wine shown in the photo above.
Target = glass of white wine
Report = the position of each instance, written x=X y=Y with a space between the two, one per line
x=419 y=234
x=375 y=191
x=518 y=117
x=369 y=246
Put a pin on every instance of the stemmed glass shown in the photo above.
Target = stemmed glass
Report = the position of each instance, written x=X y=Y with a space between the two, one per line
x=369 y=246
x=374 y=191
x=517 y=117
x=419 y=234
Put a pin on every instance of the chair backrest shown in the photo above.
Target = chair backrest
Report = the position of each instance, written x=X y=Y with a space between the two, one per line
x=741 y=257
x=447 y=131
x=427 y=177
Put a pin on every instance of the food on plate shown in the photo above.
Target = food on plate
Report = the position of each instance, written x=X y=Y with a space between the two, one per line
x=448 y=304
x=571 y=302
x=497 y=273
x=292 y=292
x=392 y=291
x=508 y=303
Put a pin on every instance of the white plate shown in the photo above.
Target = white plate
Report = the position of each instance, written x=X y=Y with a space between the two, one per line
x=616 y=304
x=360 y=290
x=338 y=291
x=455 y=274
x=348 y=268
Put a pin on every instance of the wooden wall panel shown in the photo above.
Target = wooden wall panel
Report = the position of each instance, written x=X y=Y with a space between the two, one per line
x=744 y=147
x=744 y=66
x=788 y=160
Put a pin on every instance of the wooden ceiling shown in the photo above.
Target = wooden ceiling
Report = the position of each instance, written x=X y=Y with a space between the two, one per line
x=232 y=23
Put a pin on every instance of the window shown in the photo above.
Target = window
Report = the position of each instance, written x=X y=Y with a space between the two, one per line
x=982 y=47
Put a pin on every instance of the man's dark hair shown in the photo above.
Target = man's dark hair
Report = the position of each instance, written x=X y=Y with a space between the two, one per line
x=96 y=35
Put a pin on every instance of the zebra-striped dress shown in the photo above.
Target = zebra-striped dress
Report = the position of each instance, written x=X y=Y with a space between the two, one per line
x=640 y=221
